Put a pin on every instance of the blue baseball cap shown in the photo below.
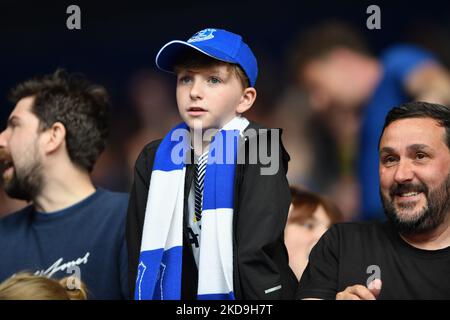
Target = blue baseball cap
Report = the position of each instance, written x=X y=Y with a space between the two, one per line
x=216 y=43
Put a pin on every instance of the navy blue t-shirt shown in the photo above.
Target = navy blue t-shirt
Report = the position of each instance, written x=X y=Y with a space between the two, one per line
x=87 y=237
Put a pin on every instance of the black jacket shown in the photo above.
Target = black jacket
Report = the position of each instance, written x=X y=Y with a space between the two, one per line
x=260 y=259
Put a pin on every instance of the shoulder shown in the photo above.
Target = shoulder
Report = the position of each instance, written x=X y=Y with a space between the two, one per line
x=113 y=203
x=144 y=161
x=356 y=232
x=254 y=126
x=113 y=196
x=149 y=149
x=255 y=130
x=16 y=218
x=265 y=141
x=357 y=227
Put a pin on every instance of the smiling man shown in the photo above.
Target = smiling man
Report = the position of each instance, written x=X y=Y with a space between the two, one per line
x=408 y=257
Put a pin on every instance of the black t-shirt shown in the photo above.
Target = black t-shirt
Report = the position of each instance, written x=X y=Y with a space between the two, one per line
x=353 y=253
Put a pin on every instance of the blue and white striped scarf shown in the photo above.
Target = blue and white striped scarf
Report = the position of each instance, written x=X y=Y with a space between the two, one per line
x=160 y=262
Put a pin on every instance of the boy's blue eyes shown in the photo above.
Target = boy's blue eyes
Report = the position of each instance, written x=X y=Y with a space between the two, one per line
x=184 y=79
x=187 y=79
x=214 y=80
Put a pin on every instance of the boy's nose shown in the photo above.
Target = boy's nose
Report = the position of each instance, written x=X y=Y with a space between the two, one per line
x=196 y=90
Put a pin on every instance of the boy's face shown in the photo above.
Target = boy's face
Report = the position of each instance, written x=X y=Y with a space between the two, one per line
x=208 y=96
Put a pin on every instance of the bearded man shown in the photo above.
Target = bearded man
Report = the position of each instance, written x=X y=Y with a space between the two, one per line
x=54 y=136
x=407 y=257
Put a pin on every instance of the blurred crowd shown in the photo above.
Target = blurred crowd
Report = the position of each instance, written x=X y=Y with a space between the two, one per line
x=321 y=134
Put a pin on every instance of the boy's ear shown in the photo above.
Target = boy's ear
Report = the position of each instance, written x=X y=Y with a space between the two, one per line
x=56 y=136
x=247 y=99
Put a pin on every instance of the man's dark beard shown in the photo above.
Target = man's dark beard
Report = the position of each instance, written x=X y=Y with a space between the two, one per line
x=430 y=217
x=26 y=183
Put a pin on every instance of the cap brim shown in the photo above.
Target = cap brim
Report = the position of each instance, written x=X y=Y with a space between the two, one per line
x=169 y=53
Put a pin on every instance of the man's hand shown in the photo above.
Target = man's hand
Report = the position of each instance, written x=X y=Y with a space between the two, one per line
x=360 y=292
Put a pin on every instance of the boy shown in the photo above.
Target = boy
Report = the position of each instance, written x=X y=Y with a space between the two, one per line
x=210 y=230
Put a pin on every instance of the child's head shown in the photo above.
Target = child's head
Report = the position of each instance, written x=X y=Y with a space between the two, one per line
x=310 y=216
x=216 y=73
x=26 y=286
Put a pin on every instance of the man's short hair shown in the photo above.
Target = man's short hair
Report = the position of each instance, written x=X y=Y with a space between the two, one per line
x=419 y=109
x=83 y=108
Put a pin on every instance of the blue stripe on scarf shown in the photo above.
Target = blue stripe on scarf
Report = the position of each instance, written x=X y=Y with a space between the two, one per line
x=216 y=195
x=224 y=296
x=149 y=284
x=159 y=271
x=163 y=160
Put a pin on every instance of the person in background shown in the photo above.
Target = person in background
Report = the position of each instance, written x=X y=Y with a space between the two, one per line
x=310 y=216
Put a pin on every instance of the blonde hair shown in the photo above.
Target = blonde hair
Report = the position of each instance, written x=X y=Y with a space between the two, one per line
x=26 y=286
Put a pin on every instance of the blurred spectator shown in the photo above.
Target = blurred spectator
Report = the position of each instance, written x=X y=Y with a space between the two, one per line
x=297 y=140
x=110 y=170
x=26 y=286
x=268 y=90
x=344 y=80
x=321 y=146
x=432 y=36
x=310 y=215
x=154 y=113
